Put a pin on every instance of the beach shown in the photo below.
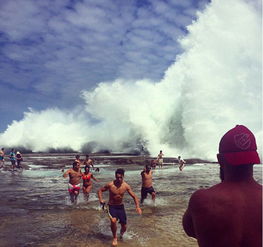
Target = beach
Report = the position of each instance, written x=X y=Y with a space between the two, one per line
x=36 y=211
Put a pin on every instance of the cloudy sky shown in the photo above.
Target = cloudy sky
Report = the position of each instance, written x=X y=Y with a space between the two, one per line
x=52 y=50
x=118 y=75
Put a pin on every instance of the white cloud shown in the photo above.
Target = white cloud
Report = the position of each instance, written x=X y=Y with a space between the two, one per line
x=212 y=86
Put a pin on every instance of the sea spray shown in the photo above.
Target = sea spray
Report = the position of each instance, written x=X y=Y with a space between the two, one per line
x=212 y=86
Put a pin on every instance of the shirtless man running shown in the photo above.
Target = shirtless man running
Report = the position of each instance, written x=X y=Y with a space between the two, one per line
x=147 y=186
x=75 y=176
x=77 y=159
x=160 y=159
x=181 y=163
x=116 y=189
x=229 y=213
x=88 y=162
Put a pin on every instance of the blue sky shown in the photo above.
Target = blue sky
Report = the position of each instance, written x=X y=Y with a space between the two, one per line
x=52 y=50
x=170 y=75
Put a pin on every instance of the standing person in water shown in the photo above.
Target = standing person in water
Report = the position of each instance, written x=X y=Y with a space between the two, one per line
x=117 y=189
x=2 y=157
x=77 y=159
x=19 y=159
x=87 y=182
x=88 y=161
x=181 y=163
x=147 y=186
x=229 y=213
x=12 y=157
x=75 y=176
x=160 y=159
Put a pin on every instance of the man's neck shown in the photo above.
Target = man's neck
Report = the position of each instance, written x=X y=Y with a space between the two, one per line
x=239 y=175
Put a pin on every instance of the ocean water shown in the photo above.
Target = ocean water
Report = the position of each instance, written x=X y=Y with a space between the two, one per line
x=36 y=211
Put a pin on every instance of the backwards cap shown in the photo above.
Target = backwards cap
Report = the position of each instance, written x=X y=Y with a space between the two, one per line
x=238 y=147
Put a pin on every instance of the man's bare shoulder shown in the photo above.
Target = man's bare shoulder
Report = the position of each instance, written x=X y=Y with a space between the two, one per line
x=110 y=184
x=126 y=185
x=203 y=198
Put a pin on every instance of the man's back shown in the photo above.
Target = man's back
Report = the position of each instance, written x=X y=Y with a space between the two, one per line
x=226 y=215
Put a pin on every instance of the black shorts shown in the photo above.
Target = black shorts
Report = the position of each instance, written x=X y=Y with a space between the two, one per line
x=145 y=191
x=118 y=211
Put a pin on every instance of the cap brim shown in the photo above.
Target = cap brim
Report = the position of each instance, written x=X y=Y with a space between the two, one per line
x=241 y=158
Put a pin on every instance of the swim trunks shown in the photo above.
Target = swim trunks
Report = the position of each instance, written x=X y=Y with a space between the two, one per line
x=72 y=188
x=160 y=161
x=118 y=211
x=145 y=191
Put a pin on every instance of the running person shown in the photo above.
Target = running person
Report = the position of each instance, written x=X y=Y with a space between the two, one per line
x=12 y=157
x=147 y=186
x=160 y=159
x=87 y=182
x=153 y=163
x=181 y=163
x=88 y=162
x=75 y=176
x=2 y=157
x=77 y=159
x=117 y=189
x=19 y=159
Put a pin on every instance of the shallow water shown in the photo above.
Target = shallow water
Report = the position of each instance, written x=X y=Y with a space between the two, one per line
x=35 y=209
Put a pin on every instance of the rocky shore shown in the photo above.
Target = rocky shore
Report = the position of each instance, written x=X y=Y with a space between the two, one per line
x=64 y=160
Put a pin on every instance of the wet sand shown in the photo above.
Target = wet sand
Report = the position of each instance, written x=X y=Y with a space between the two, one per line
x=35 y=208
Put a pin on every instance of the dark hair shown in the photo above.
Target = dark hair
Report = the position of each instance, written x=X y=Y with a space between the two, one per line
x=74 y=164
x=77 y=156
x=86 y=166
x=119 y=171
x=148 y=167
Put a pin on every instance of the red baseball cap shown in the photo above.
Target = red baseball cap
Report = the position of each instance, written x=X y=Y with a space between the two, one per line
x=238 y=147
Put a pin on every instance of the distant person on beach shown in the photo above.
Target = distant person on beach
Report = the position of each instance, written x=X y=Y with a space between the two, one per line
x=153 y=163
x=117 y=189
x=19 y=159
x=75 y=176
x=181 y=163
x=77 y=159
x=88 y=162
x=147 y=186
x=229 y=213
x=87 y=182
x=160 y=159
x=12 y=157
x=2 y=157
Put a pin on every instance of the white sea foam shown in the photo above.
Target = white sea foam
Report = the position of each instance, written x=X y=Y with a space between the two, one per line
x=212 y=86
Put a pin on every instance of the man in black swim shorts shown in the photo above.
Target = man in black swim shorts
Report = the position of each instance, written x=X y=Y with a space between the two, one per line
x=147 y=186
x=117 y=189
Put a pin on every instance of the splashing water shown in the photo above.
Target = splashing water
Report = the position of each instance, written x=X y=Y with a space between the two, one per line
x=212 y=86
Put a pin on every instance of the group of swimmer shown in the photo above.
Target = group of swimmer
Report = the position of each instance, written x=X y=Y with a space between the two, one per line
x=116 y=188
x=14 y=157
x=226 y=214
x=159 y=161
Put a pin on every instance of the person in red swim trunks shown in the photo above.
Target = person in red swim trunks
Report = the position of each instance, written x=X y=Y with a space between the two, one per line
x=75 y=176
x=87 y=182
